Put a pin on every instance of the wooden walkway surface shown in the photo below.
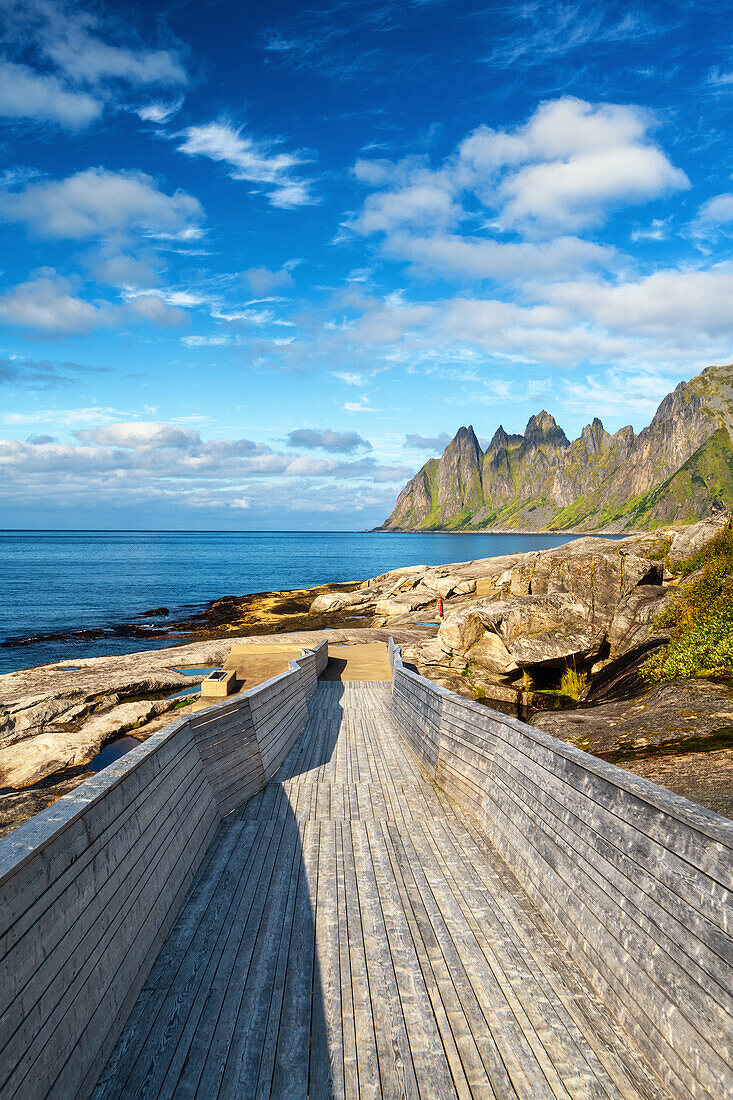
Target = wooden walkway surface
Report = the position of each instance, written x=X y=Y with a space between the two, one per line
x=352 y=934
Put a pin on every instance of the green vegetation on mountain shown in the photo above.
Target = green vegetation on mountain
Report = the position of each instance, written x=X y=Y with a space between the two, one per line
x=700 y=620
x=677 y=470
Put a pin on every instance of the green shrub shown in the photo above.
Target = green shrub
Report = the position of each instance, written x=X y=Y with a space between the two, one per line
x=573 y=682
x=700 y=618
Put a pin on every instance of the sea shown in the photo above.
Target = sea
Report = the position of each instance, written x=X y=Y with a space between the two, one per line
x=58 y=582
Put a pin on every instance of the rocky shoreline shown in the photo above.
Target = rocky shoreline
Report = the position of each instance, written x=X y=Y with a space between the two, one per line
x=512 y=628
x=279 y=611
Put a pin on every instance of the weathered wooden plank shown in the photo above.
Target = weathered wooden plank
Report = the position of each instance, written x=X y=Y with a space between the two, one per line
x=395 y=1051
x=364 y=1023
x=326 y=1069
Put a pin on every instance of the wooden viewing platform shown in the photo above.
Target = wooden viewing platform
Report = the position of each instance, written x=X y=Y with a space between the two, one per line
x=404 y=894
x=352 y=934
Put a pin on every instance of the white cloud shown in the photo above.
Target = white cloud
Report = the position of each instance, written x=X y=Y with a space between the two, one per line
x=86 y=59
x=152 y=308
x=123 y=270
x=360 y=406
x=256 y=317
x=140 y=433
x=124 y=464
x=97 y=203
x=159 y=112
x=87 y=69
x=539 y=333
x=166 y=296
x=328 y=439
x=41 y=97
x=351 y=378
x=212 y=341
x=474 y=258
x=657 y=230
x=619 y=395
x=262 y=280
x=423 y=204
x=568 y=168
x=571 y=163
x=250 y=159
x=670 y=304
x=48 y=305
x=713 y=214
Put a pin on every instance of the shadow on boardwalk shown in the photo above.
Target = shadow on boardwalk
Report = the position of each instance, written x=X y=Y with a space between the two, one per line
x=234 y=1005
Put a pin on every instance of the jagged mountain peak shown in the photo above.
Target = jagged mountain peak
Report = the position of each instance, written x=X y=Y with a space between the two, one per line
x=673 y=471
x=543 y=428
x=498 y=440
x=594 y=436
x=465 y=437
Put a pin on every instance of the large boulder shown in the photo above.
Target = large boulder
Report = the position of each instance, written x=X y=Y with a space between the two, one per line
x=362 y=599
x=686 y=541
x=451 y=585
x=633 y=622
x=404 y=604
x=556 y=648
x=597 y=575
x=59 y=746
x=461 y=629
x=520 y=632
x=491 y=654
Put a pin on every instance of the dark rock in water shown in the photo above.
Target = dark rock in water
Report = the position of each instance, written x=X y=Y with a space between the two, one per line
x=155 y=612
x=58 y=636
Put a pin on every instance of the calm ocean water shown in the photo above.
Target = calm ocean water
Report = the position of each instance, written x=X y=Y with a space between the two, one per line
x=54 y=582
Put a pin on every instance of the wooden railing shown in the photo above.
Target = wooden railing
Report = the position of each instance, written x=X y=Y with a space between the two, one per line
x=91 y=886
x=636 y=881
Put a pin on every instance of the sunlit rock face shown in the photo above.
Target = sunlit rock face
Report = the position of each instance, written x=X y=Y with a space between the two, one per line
x=677 y=470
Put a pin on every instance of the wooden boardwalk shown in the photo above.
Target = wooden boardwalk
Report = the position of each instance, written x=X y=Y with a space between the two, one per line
x=352 y=934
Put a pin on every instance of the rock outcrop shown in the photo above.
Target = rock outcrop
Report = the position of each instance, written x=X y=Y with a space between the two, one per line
x=677 y=470
x=512 y=625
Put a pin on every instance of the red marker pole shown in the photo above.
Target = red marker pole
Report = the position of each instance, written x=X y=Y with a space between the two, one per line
x=440 y=607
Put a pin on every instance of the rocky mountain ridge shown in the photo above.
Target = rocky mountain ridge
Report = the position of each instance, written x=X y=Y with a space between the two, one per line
x=679 y=469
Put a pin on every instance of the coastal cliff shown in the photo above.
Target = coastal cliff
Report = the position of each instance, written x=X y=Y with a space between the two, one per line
x=677 y=470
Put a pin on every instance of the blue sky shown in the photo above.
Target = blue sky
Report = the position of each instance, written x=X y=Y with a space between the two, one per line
x=258 y=259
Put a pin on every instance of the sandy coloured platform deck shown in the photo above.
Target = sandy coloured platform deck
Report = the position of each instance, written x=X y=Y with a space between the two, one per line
x=352 y=934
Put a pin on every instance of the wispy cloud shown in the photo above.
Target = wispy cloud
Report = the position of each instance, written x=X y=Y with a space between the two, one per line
x=434 y=443
x=533 y=33
x=251 y=159
x=41 y=374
